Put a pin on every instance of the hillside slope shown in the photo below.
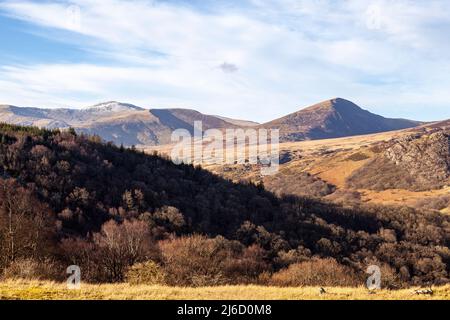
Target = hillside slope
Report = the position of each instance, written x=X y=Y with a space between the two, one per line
x=415 y=162
x=84 y=183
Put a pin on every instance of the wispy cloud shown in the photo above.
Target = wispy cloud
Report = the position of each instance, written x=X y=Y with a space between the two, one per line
x=261 y=57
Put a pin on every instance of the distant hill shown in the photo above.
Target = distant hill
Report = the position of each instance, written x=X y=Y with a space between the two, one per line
x=117 y=122
x=334 y=119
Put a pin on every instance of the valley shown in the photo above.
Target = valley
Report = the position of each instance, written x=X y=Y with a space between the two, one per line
x=123 y=215
x=322 y=146
x=331 y=162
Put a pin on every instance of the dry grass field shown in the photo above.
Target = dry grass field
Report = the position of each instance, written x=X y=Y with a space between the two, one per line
x=402 y=197
x=38 y=290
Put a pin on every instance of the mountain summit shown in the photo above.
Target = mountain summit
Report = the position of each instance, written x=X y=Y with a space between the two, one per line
x=333 y=119
x=113 y=106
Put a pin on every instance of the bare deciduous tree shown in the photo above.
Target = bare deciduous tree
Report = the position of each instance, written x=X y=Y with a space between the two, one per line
x=24 y=223
x=122 y=245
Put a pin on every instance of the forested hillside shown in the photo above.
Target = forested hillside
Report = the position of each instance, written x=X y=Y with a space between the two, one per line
x=68 y=199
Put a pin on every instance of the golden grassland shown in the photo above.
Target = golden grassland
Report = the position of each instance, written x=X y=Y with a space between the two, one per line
x=43 y=290
x=402 y=197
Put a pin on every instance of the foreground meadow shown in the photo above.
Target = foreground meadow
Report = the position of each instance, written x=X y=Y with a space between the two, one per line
x=40 y=290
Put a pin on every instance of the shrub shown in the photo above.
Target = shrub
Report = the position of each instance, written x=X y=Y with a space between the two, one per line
x=122 y=245
x=246 y=266
x=359 y=156
x=286 y=258
x=300 y=184
x=345 y=197
x=435 y=203
x=112 y=251
x=30 y=269
x=81 y=252
x=316 y=272
x=148 y=273
x=193 y=261
x=199 y=261
x=389 y=277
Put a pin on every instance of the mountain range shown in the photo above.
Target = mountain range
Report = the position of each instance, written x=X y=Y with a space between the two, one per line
x=128 y=124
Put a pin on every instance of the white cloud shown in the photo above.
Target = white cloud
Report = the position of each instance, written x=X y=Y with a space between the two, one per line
x=287 y=54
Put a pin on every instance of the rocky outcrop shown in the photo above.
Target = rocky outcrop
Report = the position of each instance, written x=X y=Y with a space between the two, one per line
x=417 y=162
x=427 y=158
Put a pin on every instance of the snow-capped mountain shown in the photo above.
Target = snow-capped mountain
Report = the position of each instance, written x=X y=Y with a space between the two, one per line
x=112 y=107
x=118 y=122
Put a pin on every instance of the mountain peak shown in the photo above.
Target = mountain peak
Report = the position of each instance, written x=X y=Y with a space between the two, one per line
x=113 y=106
x=335 y=104
x=340 y=100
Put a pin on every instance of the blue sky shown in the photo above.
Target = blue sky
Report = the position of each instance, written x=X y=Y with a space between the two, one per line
x=252 y=59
